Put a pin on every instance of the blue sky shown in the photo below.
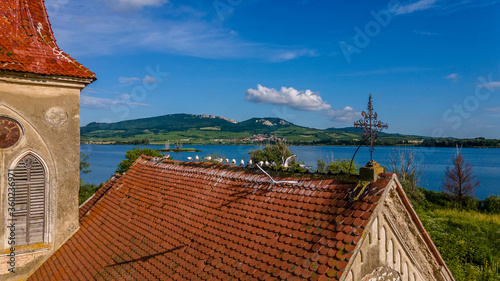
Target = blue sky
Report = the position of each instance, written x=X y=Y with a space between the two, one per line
x=433 y=66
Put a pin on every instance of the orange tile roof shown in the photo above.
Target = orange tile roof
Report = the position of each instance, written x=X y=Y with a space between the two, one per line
x=27 y=42
x=185 y=221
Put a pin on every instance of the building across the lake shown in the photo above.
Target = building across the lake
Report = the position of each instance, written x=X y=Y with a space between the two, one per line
x=171 y=220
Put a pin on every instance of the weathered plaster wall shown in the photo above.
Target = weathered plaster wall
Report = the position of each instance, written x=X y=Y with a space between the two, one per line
x=48 y=111
x=393 y=242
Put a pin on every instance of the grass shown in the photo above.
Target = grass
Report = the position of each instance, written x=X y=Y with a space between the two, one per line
x=469 y=215
x=468 y=241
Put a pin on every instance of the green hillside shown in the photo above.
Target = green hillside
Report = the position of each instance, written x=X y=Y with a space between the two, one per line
x=210 y=129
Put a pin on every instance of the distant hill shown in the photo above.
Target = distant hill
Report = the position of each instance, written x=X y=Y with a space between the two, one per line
x=211 y=129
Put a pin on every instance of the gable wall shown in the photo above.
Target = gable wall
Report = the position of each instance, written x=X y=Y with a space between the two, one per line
x=393 y=241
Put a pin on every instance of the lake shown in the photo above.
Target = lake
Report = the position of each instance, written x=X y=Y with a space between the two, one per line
x=104 y=159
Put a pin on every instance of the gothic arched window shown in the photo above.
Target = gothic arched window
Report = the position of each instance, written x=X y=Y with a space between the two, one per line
x=29 y=214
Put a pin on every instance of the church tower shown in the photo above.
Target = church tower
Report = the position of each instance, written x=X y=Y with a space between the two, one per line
x=39 y=139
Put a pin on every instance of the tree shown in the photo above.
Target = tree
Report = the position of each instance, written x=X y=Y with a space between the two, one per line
x=459 y=181
x=132 y=155
x=321 y=164
x=404 y=163
x=273 y=153
x=84 y=165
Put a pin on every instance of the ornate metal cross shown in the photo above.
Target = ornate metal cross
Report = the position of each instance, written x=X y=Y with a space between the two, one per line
x=371 y=125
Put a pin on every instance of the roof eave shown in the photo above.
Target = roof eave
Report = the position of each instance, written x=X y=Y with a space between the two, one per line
x=34 y=78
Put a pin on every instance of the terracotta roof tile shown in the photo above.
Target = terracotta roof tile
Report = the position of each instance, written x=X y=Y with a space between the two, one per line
x=176 y=220
x=27 y=42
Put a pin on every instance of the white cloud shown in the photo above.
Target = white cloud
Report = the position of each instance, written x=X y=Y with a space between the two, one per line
x=292 y=54
x=89 y=29
x=383 y=71
x=125 y=81
x=453 y=77
x=491 y=85
x=107 y=104
x=426 y=33
x=346 y=114
x=455 y=6
x=149 y=79
x=127 y=5
x=299 y=100
x=493 y=109
x=415 y=6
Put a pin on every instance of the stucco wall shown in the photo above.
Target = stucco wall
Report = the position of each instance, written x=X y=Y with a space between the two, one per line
x=49 y=114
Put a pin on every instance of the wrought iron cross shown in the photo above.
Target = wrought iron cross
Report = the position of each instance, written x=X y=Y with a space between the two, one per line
x=371 y=125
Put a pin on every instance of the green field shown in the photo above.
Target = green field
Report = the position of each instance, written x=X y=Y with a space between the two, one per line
x=200 y=129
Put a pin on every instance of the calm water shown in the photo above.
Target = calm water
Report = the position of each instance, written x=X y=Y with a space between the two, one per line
x=104 y=159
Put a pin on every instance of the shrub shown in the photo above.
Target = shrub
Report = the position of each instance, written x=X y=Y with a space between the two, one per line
x=491 y=204
x=342 y=166
x=133 y=154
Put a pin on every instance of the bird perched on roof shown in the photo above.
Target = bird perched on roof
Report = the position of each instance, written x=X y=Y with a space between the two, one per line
x=227 y=160
x=190 y=158
x=242 y=162
x=267 y=163
x=208 y=158
x=197 y=158
x=250 y=163
x=260 y=163
x=219 y=160
x=273 y=164
x=288 y=161
x=233 y=161
x=305 y=167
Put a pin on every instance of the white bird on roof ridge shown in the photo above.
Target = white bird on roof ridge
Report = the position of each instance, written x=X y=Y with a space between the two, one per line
x=233 y=161
x=227 y=160
x=260 y=163
x=250 y=163
x=288 y=161
x=219 y=160
x=190 y=158
x=197 y=158
x=267 y=163
x=242 y=162
x=208 y=158
x=273 y=164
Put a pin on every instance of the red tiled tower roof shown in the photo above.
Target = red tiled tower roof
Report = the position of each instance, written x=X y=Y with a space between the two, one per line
x=179 y=221
x=28 y=45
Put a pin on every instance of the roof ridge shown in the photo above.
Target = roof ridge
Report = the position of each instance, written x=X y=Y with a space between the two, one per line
x=244 y=174
x=86 y=206
x=279 y=174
